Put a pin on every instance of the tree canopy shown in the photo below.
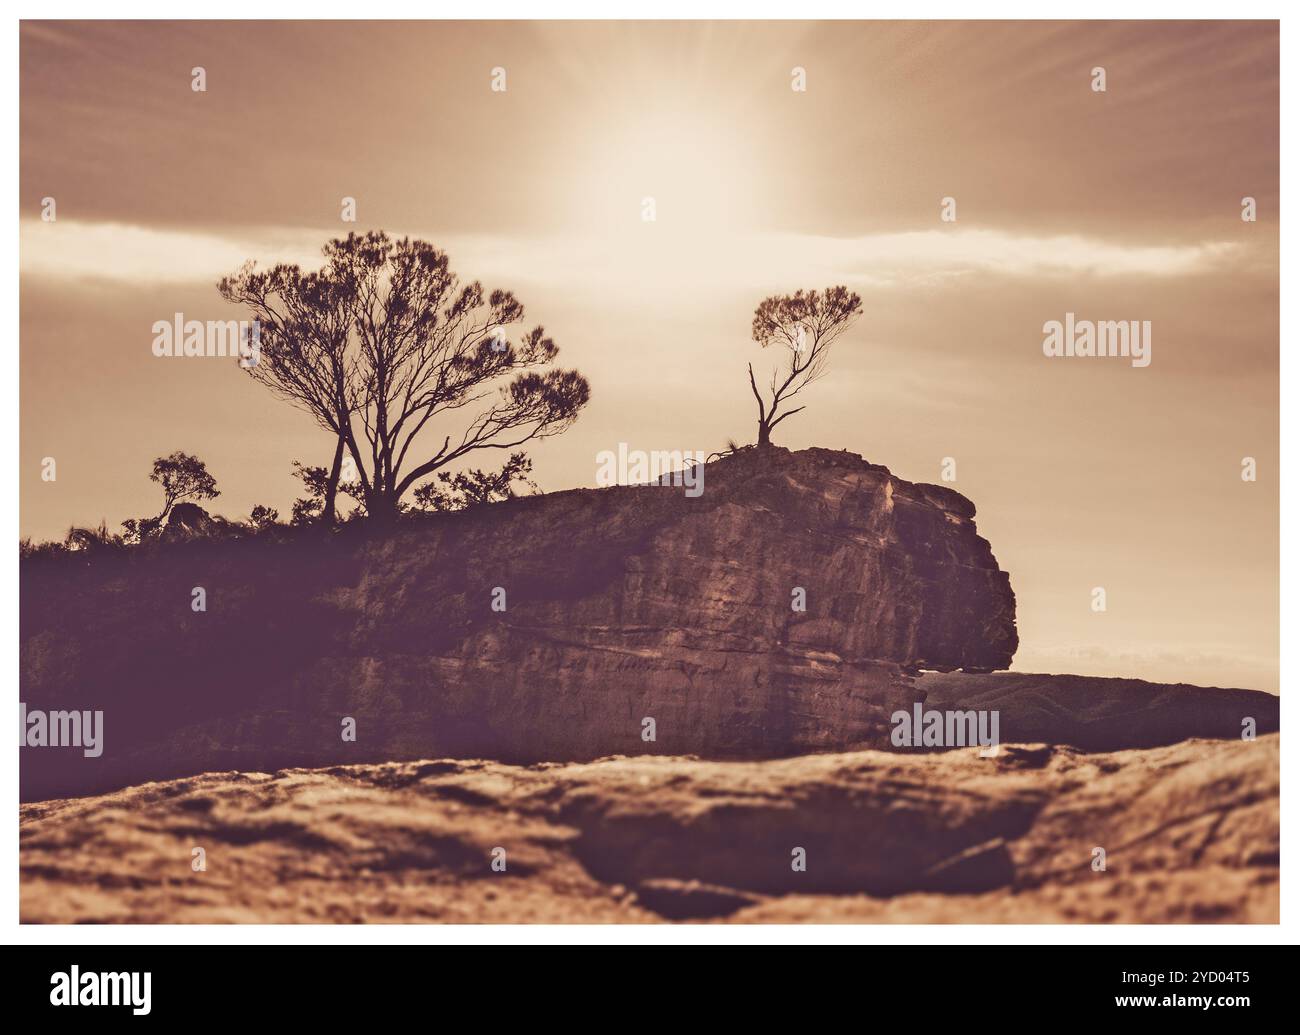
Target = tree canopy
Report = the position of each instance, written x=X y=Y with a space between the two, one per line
x=384 y=343
x=802 y=326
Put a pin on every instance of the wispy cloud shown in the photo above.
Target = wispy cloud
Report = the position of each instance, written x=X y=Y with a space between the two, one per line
x=930 y=253
x=123 y=253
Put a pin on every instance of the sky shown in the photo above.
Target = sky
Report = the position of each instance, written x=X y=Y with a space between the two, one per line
x=1117 y=205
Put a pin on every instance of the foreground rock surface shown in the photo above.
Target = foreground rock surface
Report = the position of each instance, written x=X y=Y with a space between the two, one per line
x=1190 y=833
x=620 y=604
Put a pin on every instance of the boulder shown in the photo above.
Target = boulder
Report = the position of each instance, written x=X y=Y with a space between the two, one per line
x=188 y=521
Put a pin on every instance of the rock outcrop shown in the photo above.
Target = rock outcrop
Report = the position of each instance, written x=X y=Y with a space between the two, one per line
x=1097 y=713
x=619 y=605
x=188 y=521
x=1190 y=833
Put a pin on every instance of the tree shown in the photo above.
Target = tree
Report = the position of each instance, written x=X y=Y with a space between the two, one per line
x=384 y=340
x=308 y=509
x=263 y=518
x=182 y=477
x=304 y=323
x=470 y=488
x=804 y=325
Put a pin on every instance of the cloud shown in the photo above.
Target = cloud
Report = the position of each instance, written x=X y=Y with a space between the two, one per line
x=130 y=254
x=125 y=254
x=892 y=257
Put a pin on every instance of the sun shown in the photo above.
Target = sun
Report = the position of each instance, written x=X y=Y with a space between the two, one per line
x=688 y=170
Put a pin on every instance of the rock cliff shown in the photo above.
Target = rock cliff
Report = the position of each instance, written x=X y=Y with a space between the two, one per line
x=619 y=605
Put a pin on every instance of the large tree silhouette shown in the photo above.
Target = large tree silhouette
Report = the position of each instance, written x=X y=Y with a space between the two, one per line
x=384 y=341
x=305 y=352
x=803 y=326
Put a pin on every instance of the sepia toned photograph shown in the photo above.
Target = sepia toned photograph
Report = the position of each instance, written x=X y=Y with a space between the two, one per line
x=648 y=472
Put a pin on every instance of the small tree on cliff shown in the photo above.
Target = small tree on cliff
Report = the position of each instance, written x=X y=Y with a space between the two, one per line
x=182 y=477
x=387 y=338
x=802 y=326
x=475 y=487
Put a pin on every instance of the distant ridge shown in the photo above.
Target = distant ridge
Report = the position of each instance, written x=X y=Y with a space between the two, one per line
x=1096 y=713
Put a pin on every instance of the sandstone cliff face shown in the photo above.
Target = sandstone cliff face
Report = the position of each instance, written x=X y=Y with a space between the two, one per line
x=620 y=604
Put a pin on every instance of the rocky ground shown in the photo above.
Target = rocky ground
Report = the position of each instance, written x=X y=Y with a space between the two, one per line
x=1190 y=833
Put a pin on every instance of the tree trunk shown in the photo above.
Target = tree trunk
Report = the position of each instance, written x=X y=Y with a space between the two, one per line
x=381 y=507
x=332 y=487
x=764 y=433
